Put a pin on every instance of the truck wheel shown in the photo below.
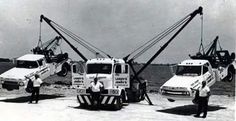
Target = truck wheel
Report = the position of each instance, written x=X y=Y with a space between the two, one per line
x=171 y=100
x=230 y=76
x=119 y=103
x=63 y=71
x=123 y=96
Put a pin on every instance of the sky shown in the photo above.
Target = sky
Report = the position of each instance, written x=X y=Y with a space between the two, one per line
x=117 y=26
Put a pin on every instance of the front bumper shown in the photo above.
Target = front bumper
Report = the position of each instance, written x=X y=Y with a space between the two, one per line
x=177 y=94
x=107 y=97
x=11 y=85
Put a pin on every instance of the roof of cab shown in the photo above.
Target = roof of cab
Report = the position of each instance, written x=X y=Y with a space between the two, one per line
x=193 y=62
x=31 y=57
x=106 y=60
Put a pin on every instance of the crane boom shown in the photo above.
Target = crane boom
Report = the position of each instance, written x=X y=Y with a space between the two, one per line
x=48 y=21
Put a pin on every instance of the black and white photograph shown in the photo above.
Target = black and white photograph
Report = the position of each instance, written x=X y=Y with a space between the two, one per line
x=117 y=60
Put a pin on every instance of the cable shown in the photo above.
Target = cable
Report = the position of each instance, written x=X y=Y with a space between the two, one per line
x=201 y=48
x=39 y=42
x=160 y=36
x=168 y=29
x=79 y=39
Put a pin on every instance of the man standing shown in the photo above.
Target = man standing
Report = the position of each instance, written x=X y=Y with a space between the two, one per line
x=96 y=88
x=204 y=94
x=36 y=86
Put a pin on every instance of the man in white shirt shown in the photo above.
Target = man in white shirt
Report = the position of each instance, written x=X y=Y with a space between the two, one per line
x=204 y=94
x=36 y=87
x=96 y=88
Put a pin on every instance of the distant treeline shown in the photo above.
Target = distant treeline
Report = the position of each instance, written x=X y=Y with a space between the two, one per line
x=5 y=60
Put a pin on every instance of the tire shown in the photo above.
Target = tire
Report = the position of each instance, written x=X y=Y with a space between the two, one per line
x=63 y=71
x=119 y=103
x=230 y=76
x=171 y=100
x=123 y=96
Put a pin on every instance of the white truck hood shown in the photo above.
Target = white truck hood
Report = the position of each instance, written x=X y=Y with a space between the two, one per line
x=182 y=81
x=18 y=73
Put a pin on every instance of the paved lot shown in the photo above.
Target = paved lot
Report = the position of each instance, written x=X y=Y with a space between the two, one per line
x=60 y=108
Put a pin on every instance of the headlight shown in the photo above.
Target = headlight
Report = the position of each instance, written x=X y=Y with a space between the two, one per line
x=21 y=84
x=2 y=82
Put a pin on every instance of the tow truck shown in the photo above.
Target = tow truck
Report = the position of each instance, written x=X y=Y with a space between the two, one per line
x=115 y=73
x=210 y=66
x=43 y=62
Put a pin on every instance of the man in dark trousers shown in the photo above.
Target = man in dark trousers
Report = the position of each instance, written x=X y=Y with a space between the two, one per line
x=204 y=94
x=96 y=88
x=36 y=87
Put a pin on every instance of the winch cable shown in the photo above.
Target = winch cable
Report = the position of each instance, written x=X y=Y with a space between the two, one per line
x=81 y=43
x=40 y=33
x=157 y=38
x=219 y=45
x=201 y=48
x=78 y=39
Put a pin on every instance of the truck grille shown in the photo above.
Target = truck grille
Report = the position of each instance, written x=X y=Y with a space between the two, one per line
x=171 y=92
x=10 y=83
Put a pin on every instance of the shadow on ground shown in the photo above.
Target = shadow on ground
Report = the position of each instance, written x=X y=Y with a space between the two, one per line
x=102 y=108
x=189 y=109
x=26 y=98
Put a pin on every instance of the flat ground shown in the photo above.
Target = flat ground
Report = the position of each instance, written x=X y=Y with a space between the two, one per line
x=58 y=103
x=57 y=107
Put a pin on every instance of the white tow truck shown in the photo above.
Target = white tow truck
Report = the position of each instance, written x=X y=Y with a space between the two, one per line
x=189 y=74
x=111 y=72
x=214 y=65
x=27 y=66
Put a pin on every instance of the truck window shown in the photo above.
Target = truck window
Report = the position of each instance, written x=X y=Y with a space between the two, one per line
x=78 y=68
x=26 y=64
x=188 y=70
x=126 y=69
x=118 y=69
x=99 y=68
x=205 y=69
x=74 y=69
x=40 y=62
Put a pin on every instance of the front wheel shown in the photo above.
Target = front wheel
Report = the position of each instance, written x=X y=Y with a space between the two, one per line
x=119 y=103
x=230 y=77
x=171 y=100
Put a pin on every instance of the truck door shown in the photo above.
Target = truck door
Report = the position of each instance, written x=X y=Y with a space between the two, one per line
x=44 y=70
x=78 y=74
x=121 y=76
x=208 y=75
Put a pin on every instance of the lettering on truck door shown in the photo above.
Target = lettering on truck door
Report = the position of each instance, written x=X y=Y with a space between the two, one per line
x=121 y=78
x=44 y=70
x=207 y=75
x=78 y=74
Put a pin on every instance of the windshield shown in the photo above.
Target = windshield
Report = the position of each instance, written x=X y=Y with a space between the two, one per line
x=26 y=64
x=188 y=70
x=99 y=68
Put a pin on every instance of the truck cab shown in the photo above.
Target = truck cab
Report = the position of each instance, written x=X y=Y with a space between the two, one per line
x=188 y=77
x=111 y=72
x=26 y=66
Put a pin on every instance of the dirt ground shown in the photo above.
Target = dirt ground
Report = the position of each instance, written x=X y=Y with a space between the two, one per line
x=57 y=106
